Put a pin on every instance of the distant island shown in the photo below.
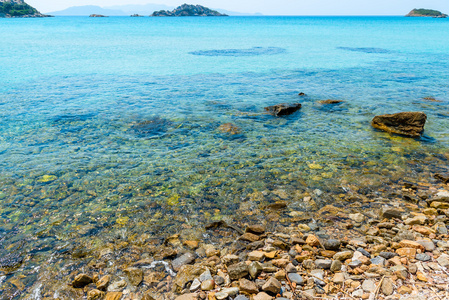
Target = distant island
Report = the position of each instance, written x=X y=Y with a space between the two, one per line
x=188 y=10
x=18 y=9
x=426 y=13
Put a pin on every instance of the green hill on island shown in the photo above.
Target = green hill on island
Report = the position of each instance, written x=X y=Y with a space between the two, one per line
x=426 y=13
x=18 y=9
x=188 y=10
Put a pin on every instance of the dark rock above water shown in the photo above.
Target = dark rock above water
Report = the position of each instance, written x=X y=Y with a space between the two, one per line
x=426 y=13
x=283 y=109
x=97 y=16
x=188 y=10
x=405 y=123
x=18 y=9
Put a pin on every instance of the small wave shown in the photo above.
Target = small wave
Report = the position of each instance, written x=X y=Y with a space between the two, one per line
x=255 y=51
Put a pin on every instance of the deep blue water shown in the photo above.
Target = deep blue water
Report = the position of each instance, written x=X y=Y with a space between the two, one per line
x=112 y=124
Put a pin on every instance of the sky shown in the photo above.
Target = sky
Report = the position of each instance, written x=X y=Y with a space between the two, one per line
x=271 y=7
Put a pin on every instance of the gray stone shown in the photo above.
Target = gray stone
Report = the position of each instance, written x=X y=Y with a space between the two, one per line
x=387 y=255
x=331 y=244
x=318 y=276
x=237 y=271
x=310 y=292
x=296 y=278
x=336 y=265
x=422 y=257
x=219 y=280
x=240 y=297
x=254 y=269
x=364 y=252
x=387 y=287
x=308 y=264
x=355 y=263
x=184 y=259
x=205 y=276
x=357 y=293
x=378 y=260
x=117 y=286
x=390 y=213
x=290 y=268
x=195 y=285
x=323 y=263
x=428 y=245
x=368 y=286
x=272 y=286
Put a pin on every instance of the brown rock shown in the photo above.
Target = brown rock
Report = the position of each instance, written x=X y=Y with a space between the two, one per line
x=411 y=244
x=81 y=280
x=421 y=276
x=405 y=123
x=103 y=282
x=135 y=275
x=330 y=101
x=248 y=286
x=262 y=296
x=272 y=285
x=404 y=290
x=312 y=240
x=280 y=263
x=113 y=296
x=186 y=297
x=94 y=294
x=283 y=109
x=191 y=244
x=256 y=229
x=237 y=271
x=256 y=255
x=408 y=252
x=250 y=237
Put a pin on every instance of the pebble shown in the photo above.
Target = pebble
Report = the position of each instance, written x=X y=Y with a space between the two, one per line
x=338 y=278
x=184 y=259
x=254 y=269
x=272 y=286
x=262 y=296
x=364 y=252
x=387 y=255
x=232 y=291
x=237 y=271
x=323 y=263
x=423 y=257
x=342 y=256
x=248 y=286
x=81 y=280
x=378 y=260
x=296 y=278
x=196 y=284
x=368 y=285
x=332 y=244
x=336 y=265
x=387 y=287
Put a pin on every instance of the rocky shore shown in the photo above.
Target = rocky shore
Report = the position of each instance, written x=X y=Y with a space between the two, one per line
x=396 y=249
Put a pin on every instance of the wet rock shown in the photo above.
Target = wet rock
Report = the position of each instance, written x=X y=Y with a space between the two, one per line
x=230 y=259
x=95 y=294
x=237 y=271
x=296 y=278
x=308 y=264
x=387 y=255
x=418 y=220
x=184 y=259
x=114 y=296
x=272 y=286
x=135 y=275
x=248 y=286
x=312 y=240
x=409 y=124
x=81 y=280
x=10 y=262
x=330 y=101
x=357 y=217
x=254 y=269
x=188 y=273
x=283 y=109
x=256 y=229
x=206 y=275
x=117 y=286
x=441 y=196
x=103 y=282
x=229 y=128
x=249 y=237
x=332 y=244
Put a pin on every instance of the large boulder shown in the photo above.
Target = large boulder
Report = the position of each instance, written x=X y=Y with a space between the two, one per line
x=283 y=109
x=409 y=124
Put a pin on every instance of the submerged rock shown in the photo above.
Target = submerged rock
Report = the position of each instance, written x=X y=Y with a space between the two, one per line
x=409 y=124
x=229 y=128
x=81 y=280
x=283 y=109
x=10 y=262
x=330 y=101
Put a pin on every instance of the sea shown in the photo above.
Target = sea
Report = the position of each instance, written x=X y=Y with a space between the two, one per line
x=118 y=131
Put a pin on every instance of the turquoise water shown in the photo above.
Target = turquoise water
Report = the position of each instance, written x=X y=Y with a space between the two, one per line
x=110 y=127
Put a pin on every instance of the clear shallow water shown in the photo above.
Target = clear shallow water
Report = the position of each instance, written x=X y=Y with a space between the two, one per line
x=109 y=127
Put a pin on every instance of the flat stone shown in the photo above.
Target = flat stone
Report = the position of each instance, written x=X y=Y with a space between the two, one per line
x=408 y=252
x=272 y=285
x=186 y=274
x=378 y=260
x=423 y=257
x=118 y=295
x=308 y=264
x=357 y=217
x=336 y=265
x=387 y=255
x=338 y=278
x=390 y=213
x=357 y=293
x=256 y=255
x=241 y=297
x=256 y=229
x=355 y=263
x=81 y=280
x=323 y=264
x=95 y=294
x=103 y=282
x=343 y=255
x=368 y=285
x=248 y=286
x=409 y=124
x=232 y=291
x=443 y=260
x=206 y=275
x=219 y=280
x=296 y=278
x=420 y=220
x=262 y=296
x=318 y=276
x=196 y=284
x=184 y=259
x=411 y=244
x=237 y=271
x=364 y=252
x=230 y=259
x=135 y=275
x=249 y=237
x=387 y=287
x=280 y=263
x=220 y=295
x=186 y=297
x=421 y=276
